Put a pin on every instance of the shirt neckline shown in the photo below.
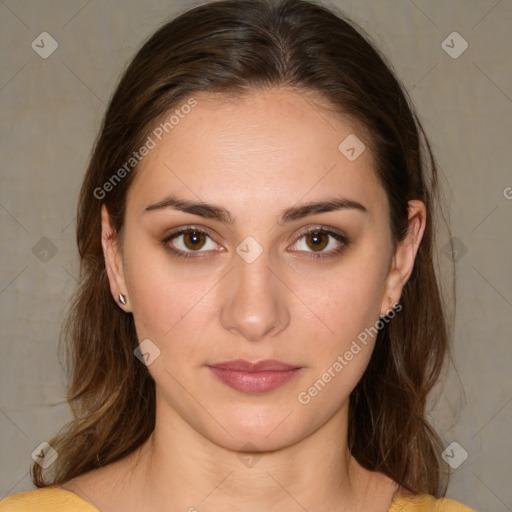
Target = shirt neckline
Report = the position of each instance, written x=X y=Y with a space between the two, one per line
x=398 y=501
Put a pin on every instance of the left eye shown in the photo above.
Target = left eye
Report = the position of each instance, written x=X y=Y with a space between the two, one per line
x=317 y=240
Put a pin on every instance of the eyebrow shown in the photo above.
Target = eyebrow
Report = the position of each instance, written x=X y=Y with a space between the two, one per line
x=210 y=211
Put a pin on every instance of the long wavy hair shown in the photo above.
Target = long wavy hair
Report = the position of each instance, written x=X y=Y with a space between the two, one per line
x=233 y=47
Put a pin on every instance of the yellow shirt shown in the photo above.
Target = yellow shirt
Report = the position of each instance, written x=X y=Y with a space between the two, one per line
x=55 y=499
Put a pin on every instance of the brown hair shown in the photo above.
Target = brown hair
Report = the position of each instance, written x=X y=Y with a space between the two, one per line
x=233 y=47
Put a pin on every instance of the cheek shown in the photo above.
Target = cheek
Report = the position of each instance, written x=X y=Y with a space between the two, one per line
x=346 y=302
x=348 y=307
x=166 y=298
x=344 y=299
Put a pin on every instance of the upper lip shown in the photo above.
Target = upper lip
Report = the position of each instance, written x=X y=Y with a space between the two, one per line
x=259 y=366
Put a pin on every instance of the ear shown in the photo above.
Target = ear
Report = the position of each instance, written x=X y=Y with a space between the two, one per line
x=405 y=254
x=113 y=260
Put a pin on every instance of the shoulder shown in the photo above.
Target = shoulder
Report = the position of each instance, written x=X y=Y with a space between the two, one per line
x=426 y=503
x=46 y=499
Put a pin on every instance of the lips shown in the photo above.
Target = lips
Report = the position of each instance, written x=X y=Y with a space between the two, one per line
x=260 y=366
x=254 y=377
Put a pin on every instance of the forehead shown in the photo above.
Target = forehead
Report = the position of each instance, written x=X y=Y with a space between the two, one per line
x=258 y=150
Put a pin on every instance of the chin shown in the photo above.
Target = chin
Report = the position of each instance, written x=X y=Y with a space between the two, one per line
x=265 y=427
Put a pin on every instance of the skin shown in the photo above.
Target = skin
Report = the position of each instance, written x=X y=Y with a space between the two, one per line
x=254 y=156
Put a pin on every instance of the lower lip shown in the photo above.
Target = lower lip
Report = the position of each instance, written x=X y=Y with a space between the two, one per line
x=253 y=382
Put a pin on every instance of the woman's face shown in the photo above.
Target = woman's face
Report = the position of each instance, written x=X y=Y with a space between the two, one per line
x=249 y=284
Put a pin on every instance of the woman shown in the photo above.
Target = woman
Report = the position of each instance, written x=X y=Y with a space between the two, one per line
x=259 y=323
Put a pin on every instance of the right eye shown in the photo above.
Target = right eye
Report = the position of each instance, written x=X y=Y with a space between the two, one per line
x=187 y=241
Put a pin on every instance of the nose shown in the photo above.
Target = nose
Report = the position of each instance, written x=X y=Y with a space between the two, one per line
x=254 y=306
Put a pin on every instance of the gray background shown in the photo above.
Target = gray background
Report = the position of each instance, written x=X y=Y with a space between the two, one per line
x=51 y=112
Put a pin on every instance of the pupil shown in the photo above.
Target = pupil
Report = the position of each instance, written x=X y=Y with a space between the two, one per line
x=193 y=238
x=316 y=238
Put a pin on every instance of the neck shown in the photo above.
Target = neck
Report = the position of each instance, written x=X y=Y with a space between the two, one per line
x=180 y=467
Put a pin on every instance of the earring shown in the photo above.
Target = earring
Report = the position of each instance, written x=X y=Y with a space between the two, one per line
x=122 y=299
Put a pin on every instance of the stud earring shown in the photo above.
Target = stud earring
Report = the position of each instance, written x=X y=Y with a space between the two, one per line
x=122 y=299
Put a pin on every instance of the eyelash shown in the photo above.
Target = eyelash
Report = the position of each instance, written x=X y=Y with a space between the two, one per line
x=312 y=255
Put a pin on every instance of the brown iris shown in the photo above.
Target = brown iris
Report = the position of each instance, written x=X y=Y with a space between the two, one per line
x=194 y=239
x=316 y=238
